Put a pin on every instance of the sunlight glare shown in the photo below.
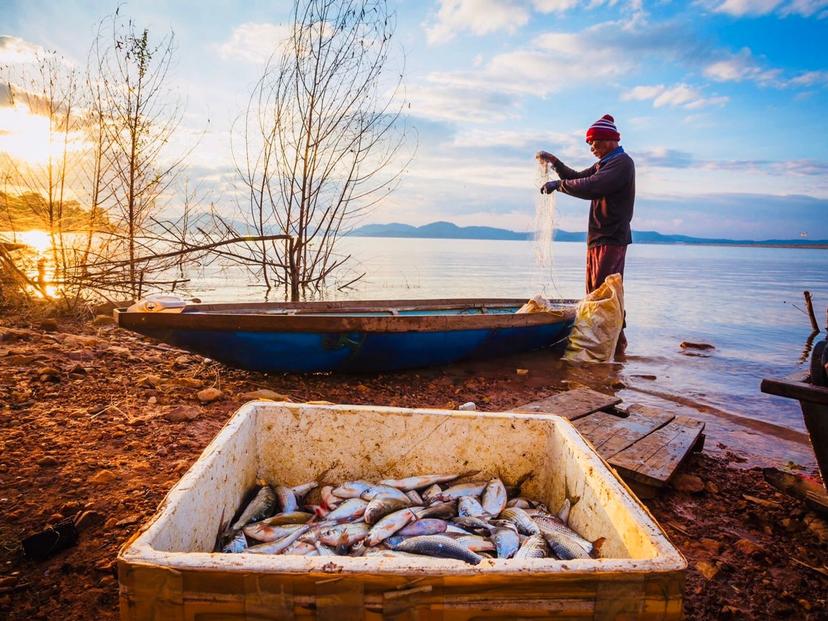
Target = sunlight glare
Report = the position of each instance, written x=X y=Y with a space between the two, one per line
x=25 y=136
x=37 y=240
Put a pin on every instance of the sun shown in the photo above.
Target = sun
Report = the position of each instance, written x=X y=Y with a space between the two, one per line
x=26 y=136
x=37 y=240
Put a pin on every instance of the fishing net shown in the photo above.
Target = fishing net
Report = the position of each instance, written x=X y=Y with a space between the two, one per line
x=544 y=217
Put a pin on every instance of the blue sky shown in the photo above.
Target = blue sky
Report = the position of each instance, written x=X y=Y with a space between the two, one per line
x=720 y=103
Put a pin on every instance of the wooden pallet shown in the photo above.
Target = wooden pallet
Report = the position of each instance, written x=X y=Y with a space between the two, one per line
x=646 y=446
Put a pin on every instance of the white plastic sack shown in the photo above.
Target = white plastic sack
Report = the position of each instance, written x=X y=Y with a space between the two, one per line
x=537 y=304
x=599 y=319
x=158 y=303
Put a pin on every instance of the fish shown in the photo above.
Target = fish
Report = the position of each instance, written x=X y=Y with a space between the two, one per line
x=473 y=523
x=264 y=532
x=475 y=543
x=552 y=524
x=443 y=510
x=419 y=482
x=323 y=550
x=506 y=541
x=237 y=544
x=389 y=525
x=280 y=519
x=384 y=491
x=329 y=501
x=300 y=491
x=287 y=499
x=563 y=512
x=276 y=547
x=439 y=546
x=468 y=506
x=564 y=547
x=351 y=489
x=463 y=489
x=381 y=506
x=431 y=492
x=428 y=526
x=521 y=503
x=354 y=532
x=525 y=525
x=414 y=497
x=262 y=506
x=533 y=547
x=301 y=548
x=349 y=510
x=494 y=498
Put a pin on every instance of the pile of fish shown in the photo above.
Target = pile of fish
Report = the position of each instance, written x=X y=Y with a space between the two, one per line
x=431 y=515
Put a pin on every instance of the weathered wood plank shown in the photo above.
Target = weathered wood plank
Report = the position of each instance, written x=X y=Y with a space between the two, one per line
x=572 y=404
x=653 y=459
x=610 y=434
x=795 y=387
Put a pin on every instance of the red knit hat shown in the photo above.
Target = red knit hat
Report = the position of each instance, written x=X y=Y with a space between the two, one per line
x=603 y=129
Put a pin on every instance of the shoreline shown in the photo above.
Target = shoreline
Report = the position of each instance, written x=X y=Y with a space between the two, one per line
x=101 y=422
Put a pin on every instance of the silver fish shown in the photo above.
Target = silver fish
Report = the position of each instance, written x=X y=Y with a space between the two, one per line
x=533 y=547
x=443 y=510
x=323 y=549
x=279 y=546
x=287 y=499
x=389 y=525
x=454 y=528
x=328 y=499
x=473 y=523
x=429 y=526
x=262 y=506
x=280 y=519
x=381 y=506
x=350 y=533
x=552 y=524
x=300 y=491
x=475 y=543
x=521 y=519
x=351 y=489
x=563 y=512
x=494 y=497
x=349 y=510
x=264 y=532
x=439 y=546
x=237 y=544
x=565 y=548
x=384 y=491
x=463 y=489
x=520 y=503
x=467 y=506
x=430 y=494
x=414 y=497
x=419 y=482
x=301 y=548
x=506 y=541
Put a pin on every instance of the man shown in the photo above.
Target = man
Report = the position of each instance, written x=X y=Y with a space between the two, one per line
x=610 y=185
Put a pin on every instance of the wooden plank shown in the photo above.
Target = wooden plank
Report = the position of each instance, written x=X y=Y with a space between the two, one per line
x=795 y=388
x=572 y=404
x=611 y=435
x=653 y=459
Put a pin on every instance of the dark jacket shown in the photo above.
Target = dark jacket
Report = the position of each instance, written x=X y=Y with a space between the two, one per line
x=610 y=185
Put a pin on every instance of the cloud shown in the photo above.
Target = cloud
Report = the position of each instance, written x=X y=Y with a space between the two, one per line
x=681 y=95
x=253 y=42
x=755 y=8
x=742 y=66
x=14 y=50
x=445 y=101
x=479 y=17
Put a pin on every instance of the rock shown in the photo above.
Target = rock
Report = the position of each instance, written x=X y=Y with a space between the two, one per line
x=110 y=523
x=77 y=370
x=747 y=547
x=88 y=519
x=645 y=376
x=182 y=413
x=188 y=382
x=208 y=395
x=47 y=462
x=707 y=569
x=818 y=526
x=152 y=400
x=618 y=385
x=103 y=477
x=80 y=340
x=55 y=518
x=182 y=361
x=48 y=325
x=105 y=564
x=711 y=545
x=47 y=372
x=132 y=519
x=711 y=487
x=264 y=393
x=118 y=351
x=469 y=406
x=687 y=483
x=150 y=381
x=522 y=371
x=81 y=354
x=103 y=320
x=692 y=345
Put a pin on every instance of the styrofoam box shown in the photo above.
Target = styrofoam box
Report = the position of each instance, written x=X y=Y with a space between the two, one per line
x=168 y=570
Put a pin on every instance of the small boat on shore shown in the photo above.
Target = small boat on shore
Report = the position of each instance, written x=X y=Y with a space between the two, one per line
x=354 y=336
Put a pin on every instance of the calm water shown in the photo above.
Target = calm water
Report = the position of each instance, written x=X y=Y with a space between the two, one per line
x=742 y=300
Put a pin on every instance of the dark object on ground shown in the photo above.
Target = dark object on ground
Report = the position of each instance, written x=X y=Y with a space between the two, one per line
x=799 y=487
x=51 y=540
x=819 y=357
x=692 y=345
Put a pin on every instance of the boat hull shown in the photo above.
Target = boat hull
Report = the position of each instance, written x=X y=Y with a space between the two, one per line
x=366 y=336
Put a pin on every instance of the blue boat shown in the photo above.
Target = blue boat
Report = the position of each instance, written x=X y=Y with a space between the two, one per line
x=354 y=336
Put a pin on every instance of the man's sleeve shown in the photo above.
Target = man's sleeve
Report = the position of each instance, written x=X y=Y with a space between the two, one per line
x=606 y=180
x=565 y=172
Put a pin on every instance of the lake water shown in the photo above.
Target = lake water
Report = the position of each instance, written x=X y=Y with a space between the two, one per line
x=745 y=301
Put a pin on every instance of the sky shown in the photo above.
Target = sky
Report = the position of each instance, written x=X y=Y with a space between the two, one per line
x=721 y=103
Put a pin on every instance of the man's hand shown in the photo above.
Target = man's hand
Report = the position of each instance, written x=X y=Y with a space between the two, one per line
x=545 y=156
x=550 y=186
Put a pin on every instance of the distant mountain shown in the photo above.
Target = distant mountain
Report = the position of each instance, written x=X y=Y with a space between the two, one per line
x=448 y=230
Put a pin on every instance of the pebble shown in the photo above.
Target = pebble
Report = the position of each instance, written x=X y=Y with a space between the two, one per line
x=150 y=381
x=711 y=545
x=469 y=406
x=182 y=413
x=49 y=325
x=118 y=351
x=103 y=320
x=127 y=521
x=47 y=461
x=87 y=519
x=688 y=483
x=692 y=345
x=208 y=395
x=522 y=371
x=102 y=477
x=747 y=547
x=707 y=569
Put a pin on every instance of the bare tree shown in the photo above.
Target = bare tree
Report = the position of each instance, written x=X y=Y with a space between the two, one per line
x=322 y=140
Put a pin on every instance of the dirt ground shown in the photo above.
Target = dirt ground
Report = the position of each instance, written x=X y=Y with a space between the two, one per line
x=100 y=423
